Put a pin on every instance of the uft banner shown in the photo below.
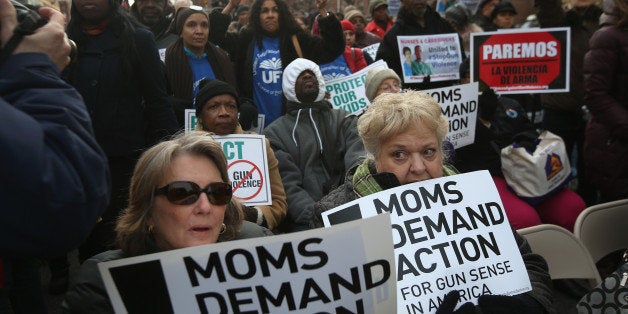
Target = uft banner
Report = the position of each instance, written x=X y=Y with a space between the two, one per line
x=449 y=233
x=344 y=269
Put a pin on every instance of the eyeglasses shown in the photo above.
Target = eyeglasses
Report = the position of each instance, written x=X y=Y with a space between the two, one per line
x=186 y=192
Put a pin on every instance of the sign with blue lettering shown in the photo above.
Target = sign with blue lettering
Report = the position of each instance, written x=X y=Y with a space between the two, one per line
x=438 y=56
x=449 y=233
x=348 y=268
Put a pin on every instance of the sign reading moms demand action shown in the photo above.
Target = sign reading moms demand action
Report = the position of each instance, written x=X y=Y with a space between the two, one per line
x=459 y=104
x=344 y=269
x=449 y=233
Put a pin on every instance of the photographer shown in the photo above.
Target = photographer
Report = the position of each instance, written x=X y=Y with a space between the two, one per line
x=55 y=181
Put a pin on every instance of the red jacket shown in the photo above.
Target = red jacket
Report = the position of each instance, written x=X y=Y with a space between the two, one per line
x=354 y=58
x=376 y=29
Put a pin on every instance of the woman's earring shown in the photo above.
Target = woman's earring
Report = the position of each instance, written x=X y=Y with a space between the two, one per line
x=223 y=228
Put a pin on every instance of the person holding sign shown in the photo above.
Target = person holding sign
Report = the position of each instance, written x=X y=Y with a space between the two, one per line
x=180 y=196
x=217 y=112
x=192 y=58
x=403 y=134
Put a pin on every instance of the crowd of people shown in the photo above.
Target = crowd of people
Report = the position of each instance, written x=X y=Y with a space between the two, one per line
x=94 y=157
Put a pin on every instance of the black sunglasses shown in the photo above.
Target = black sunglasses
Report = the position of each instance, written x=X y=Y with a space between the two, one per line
x=186 y=192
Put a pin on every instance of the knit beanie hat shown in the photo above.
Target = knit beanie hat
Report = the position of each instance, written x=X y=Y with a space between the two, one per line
x=183 y=15
x=504 y=6
x=208 y=88
x=292 y=72
x=374 y=79
x=374 y=4
x=353 y=13
x=347 y=26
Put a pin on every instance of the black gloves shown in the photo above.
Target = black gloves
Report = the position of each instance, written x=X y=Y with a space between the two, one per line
x=491 y=304
x=248 y=113
x=487 y=103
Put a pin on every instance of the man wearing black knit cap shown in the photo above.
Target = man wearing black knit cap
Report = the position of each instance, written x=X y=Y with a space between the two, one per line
x=217 y=111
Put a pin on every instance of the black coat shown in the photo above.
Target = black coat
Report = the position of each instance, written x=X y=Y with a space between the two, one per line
x=125 y=107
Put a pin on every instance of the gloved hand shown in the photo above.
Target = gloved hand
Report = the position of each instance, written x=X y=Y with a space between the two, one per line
x=427 y=79
x=248 y=113
x=487 y=104
x=449 y=304
x=522 y=303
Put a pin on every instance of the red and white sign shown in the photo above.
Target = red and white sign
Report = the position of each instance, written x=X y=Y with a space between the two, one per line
x=522 y=61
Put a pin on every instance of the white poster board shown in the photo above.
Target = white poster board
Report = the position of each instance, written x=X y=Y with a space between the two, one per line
x=459 y=104
x=371 y=50
x=449 y=233
x=247 y=166
x=438 y=56
x=348 y=267
x=349 y=92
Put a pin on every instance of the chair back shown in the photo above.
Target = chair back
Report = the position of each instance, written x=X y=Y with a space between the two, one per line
x=603 y=228
x=566 y=256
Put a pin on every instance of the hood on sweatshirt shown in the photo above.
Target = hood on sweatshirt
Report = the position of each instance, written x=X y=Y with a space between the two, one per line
x=292 y=72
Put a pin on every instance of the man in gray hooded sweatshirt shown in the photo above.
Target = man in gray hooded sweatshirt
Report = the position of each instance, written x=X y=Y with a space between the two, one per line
x=315 y=144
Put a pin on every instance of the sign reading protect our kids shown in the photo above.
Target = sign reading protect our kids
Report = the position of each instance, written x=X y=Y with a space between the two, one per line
x=522 y=61
x=348 y=268
x=449 y=233
x=459 y=104
x=438 y=56
x=247 y=166
x=349 y=92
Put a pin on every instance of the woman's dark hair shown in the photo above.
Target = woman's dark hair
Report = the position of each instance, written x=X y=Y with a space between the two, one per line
x=403 y=51
x=121 y=24
x=287 y=23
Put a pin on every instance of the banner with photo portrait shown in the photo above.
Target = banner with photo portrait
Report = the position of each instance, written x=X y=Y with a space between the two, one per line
x=438 y=56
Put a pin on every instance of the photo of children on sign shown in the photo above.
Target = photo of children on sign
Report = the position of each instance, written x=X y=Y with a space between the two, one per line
x=522 y=61
x=435 y=55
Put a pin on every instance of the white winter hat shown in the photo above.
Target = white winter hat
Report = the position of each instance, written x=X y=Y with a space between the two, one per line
x=292 y=72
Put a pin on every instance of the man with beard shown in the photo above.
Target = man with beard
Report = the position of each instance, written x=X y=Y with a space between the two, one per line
x=415 y=18
x=157 y=16
x=315 y=144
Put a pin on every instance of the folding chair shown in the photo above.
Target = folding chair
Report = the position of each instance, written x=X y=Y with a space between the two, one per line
x=603 y=228
x=566 y=256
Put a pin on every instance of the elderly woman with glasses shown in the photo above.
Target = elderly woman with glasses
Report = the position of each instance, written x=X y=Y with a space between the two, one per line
x=403 y=134
x=180 y=196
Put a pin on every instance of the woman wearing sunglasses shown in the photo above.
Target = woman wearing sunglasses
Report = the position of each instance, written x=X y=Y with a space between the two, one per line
x=180 y=196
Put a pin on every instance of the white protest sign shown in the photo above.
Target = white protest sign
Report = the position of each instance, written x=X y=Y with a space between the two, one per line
x=349 y=92
x=191 y=121
x=438 y=56
x=371 y=50
x=459 y=104
x=449 y=233
x=247 y=166
x=346 y=268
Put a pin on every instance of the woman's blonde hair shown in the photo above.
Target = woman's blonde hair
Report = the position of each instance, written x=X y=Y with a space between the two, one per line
x=394 y=113
x=133 y=236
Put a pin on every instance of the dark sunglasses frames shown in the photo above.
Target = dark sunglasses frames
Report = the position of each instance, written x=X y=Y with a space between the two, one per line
x=186 y=192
